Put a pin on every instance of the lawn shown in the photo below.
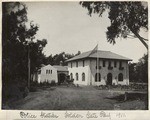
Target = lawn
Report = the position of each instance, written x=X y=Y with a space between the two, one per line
x=76 y=98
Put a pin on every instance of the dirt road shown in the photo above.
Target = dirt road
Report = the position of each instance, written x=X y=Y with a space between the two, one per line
x=72 y=98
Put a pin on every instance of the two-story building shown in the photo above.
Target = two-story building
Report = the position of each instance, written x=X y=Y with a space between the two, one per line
x=99 y=68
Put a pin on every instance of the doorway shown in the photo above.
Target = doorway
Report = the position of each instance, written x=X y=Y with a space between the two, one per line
x=61 y=78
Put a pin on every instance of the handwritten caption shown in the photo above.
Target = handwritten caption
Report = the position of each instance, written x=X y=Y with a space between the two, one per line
x=74 y=115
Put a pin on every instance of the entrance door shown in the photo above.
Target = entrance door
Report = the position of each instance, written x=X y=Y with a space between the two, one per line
x=109 y=79
x=61 y=78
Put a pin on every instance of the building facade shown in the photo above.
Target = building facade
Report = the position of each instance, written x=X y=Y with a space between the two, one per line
x=50 y=73
x=99 y=68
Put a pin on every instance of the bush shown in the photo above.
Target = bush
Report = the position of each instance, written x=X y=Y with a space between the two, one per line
x=26 y=92
x=53 y=83
x=101 y=87
x=33 y=89
x=70 y=81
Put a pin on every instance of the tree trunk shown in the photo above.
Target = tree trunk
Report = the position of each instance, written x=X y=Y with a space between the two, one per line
x=140 y=38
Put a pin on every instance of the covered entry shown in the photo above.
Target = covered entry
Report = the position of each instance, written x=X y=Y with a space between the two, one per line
x=109 y=79
x=61 y=78
x=62 y=73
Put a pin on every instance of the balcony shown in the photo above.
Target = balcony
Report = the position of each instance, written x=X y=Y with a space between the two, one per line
x=98 y=67
x=110 y=68
x=121 y=68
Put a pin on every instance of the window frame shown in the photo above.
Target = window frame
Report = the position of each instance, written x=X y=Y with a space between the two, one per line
x=99 y=77
x=76 y=63
x=77 y=76
x=120 y=64
x=71 y=64
x=115 y=64
x=109 y=63
x=71 y=75
x=83 y=63
x=83 y=76
x=120 y=77
x=104 y=63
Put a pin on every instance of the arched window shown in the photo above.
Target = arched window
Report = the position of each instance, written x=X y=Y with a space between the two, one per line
x=97 y=77
x=83 y=76
x=77 y=77
x=120 y=77
x=71 y=76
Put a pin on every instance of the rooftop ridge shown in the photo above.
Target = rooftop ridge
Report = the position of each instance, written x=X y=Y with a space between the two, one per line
x=97 y=50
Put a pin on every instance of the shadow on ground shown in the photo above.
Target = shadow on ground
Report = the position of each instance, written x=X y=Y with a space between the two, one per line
x=130 y=97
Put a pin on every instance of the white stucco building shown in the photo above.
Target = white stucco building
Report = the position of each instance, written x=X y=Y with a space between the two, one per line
x=99 y=68
x=50 y=73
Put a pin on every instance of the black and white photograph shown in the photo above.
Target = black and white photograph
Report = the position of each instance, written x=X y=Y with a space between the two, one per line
x=75 y=55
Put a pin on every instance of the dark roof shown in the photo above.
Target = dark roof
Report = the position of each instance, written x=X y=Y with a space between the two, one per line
x=61 y=68
x=99 y=54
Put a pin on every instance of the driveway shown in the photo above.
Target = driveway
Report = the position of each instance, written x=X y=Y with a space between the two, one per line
x=73 y=98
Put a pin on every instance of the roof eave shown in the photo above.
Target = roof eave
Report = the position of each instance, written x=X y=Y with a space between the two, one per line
x=100 y=58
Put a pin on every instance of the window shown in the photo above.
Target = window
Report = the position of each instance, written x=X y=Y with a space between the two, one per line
x=120 y=64
x=115 y=63
x=83 y=63
x=120 y=77
x=83 y=76
x=51 y=71
x=97 y=77
x=46 y=71
x=77 y=77
x=76 y=63
x=103 y=63
x=109 y=64
x=71 y=64
x=71 y=76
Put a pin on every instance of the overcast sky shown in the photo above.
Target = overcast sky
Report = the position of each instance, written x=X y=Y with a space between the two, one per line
x=68 y=28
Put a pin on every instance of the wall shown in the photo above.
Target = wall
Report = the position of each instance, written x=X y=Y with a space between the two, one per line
x=104 y=71
x=90 y=70
x=80 y=69
x=49 y=76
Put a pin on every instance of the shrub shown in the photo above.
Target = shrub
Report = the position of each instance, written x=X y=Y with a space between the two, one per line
x=26 y=92
x=33 y=89
x=53 y=83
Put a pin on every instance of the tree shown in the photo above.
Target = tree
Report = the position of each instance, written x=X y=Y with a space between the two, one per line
x=142 y=69
x=36 y=55
x=133 y=73
x=60 y=58
x=127 y=18
x=79 y=52
x=139 y=71
x=49 y=60
x=15 y=42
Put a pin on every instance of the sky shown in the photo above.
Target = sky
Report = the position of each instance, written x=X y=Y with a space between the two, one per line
x=68 y=28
